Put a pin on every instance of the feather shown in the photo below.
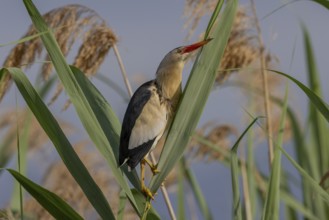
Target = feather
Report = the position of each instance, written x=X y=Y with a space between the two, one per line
x=143 y=125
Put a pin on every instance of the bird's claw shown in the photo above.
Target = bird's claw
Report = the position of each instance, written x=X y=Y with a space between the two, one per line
x=153 y=167
x=147 y=192
x=155 y=170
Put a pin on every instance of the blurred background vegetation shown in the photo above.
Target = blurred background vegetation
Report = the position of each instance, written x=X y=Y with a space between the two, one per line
x=296 y=188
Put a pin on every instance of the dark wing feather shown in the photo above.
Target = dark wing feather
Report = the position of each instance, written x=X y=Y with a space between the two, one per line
x=135 y=107
x=138 y=153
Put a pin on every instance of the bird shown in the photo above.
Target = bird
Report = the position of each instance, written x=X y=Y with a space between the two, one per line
x=150 y=111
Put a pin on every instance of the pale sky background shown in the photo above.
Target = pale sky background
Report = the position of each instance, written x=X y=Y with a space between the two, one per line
x=147 y=30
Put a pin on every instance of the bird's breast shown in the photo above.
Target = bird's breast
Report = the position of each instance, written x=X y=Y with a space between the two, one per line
x=152 y=121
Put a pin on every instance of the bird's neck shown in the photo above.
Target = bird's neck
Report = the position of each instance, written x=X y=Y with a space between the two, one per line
x=169 y=81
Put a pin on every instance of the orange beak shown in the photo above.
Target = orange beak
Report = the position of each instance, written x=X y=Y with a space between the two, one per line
x=193 y=47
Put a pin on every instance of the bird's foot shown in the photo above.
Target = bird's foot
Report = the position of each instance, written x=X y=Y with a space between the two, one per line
x=154 y=169
x=147 y=192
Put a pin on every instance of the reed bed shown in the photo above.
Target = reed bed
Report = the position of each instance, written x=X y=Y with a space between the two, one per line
x=86 y=183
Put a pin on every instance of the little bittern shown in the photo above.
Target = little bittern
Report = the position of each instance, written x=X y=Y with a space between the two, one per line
x=151 y=110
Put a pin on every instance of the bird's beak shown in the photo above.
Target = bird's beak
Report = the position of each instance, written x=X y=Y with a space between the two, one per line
x=192 y=47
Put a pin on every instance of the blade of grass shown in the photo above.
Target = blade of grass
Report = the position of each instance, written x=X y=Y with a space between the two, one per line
x=294 y=204
x=302 y=152
x=122 y=204
x=21 y=163
x=194 y=97
x=318 y=154
x=5 y=148
x=93 y=118
x=289 y=212
x=324 y=3
x=315 y=185
x=22 y=145
x=314 y=98
x=319 y=129
x=50 y=201
x=237 y=214
x=250 y=167
x=271 y=209
x=109 y=123
x=191 y=179
x=261 y=183
x=180 y=191
x=316 y=188
x=213 y=18
x=60 y=141
x=22 y=40
x=322 y=107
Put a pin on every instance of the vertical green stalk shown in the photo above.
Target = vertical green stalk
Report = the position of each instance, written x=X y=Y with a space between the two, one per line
x=251 y=168
x=196 y=189
x=319 y=130
x=237 y=213
x=271 y=209
x=122 y=204
x=180 y=194
x=22 y=145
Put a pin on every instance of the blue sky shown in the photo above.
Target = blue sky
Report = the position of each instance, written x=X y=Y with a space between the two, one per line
x=147 y=30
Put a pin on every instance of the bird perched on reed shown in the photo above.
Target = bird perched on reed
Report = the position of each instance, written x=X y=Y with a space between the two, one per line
x=151 y=110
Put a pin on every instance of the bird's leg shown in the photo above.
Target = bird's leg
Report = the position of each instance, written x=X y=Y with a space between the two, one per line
x=154 y=168
x=147 y=192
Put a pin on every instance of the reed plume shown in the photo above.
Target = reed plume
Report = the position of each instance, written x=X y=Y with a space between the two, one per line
x=68 y=23
x=241 y=56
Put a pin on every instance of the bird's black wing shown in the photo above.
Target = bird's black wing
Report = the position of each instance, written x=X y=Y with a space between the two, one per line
x=134 y=109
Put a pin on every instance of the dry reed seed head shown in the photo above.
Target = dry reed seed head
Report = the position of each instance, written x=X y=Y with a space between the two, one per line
x=7 y=214
x=252 y=85
x=242 y=48
x=68 y=23
x=59 y=89
x=243 y=51
x=66 y=105
x=194 y=10
x=219 y=136
x=95 y=47
x=13 y=59
x=58 y=180
x=287 y=127
x=276 y=112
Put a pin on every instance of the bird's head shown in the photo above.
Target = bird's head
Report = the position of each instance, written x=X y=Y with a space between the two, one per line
x=177 y=57
x=169 y=73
